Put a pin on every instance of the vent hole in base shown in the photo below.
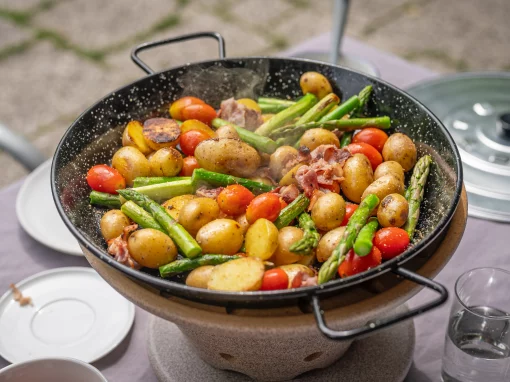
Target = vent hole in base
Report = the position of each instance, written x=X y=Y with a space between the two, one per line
x=226 y=357
x=312 y=357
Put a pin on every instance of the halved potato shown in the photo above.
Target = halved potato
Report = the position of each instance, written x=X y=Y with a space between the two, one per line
x=238 y=275
x=161 y=132
x=133 y=136
x=290 y=177
x=200 y=276
x=174 y=205
x=261 y=239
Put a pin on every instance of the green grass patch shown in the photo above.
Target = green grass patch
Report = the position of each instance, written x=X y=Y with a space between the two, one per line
x=17 y=17
x=60 y=42
x=16 y=49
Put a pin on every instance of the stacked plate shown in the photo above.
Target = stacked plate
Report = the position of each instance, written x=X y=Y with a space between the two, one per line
x=475 y=108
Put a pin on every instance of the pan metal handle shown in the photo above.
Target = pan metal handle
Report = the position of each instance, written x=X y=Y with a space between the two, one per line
x=377 y=325
x=192 y=36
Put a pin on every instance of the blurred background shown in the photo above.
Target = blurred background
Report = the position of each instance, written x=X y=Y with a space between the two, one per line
x=57 y=57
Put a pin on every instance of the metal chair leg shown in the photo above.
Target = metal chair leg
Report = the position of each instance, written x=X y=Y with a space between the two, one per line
x=20 y=149
x=340 y=11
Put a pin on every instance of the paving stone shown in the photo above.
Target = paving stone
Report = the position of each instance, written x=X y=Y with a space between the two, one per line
x=18 y=5
x=259 y=12
x=98 y=23
x=10 y=34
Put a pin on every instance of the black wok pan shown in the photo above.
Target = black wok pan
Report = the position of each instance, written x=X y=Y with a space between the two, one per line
x=96 y=135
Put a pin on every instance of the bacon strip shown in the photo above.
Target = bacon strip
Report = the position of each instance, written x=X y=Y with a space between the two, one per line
x=287 y=193
x=240 y=115
x=119 y=250
x=208 y=192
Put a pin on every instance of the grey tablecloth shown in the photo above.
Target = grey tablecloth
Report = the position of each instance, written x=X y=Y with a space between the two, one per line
x=483 y=245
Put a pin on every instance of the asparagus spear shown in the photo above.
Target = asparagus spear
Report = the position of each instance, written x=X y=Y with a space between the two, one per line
x=319 y=109
x=264 y=144
x=267 y=108
x=310 y=239
x=341 y=110
x=140 y=216
x=179 y=235
x=415 y=192
x=275 y=101
x=356 y=222
x=296 y=110
x=364 y=96
x=105 y=200
x=292 y=211
x=346 y=139
x=184 y=265
x=363 y=244
x=150 y=180
x=217 y=179
x=163 y=191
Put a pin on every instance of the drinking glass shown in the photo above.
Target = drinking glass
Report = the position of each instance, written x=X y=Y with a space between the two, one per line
x=477 y=346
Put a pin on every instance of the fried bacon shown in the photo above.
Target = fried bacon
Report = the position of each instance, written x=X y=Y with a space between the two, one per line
x=118 y=247
x=240 y=115
x=287 y=193
x=208 y=192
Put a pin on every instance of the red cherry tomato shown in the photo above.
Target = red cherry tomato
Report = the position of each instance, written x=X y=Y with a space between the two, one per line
x=104 y=178
x=370 y=152
x=372 y=136
x=283 y=203
x=265 y=206
x=190 y=140
x=181 y=103
x=354 y=264
x=203 y=113
x=234 y=199
x=335 y=187
x=392 y=241
x=349 y=210
x=275 y=279
x=189 y=164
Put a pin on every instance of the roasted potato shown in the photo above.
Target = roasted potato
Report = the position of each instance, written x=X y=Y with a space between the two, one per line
x=227 y=131
x=161 y=132
x=166 y=162
x=313 y=138
x=197 y=213
x=279 y=159
x=384 y=186
x=328 y=243
x=227 y=156
x=151 y=248
x=315 y=83
x=393 y=211
x=328 y=211
x=261 y=179
x=113 y=223
x=243 y=222
x=358 y=175
x=267 y=117
x=290 y=177
x=222 y=236
x=390 y=168
x=240 y=275
x=286 y=237
x=400 y=148
x=250 y=104
x=200 y=276
x=133 y=136
x=293 y=269
x=174 y=205
x=131 y=163
x=261 y=239
x=307 y=260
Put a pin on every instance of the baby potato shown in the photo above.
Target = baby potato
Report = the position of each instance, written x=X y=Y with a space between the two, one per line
x=161 y=132
x=286 y=237
x=290 y=177
x=358 y=175
x=328 y=243
x=227 y=131
x=384 y=186
x=151 y=248
x=261 y=179
x=293 y=269
x=113 y=223
x=227 y=156
x=390 y=168
x=166 y=162
x=279 y=160
x=315 y=83
x=197 y=213
x=328 y=211
x=174 y=205
x=200 y=276
x=400 y=148
x=313 y=138
x=222 y=236
x=131 y=163
x=307 y=260
x=240 y=275
x=243 y=222
x=133 y=136
x=261 y=239
x=393 y=211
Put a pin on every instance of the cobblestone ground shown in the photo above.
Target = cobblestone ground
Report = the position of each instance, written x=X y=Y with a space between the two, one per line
x=59 y=56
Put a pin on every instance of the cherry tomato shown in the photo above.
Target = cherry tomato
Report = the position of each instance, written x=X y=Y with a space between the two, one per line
x=181 y=103
x=190 y=140
x=234 y=199
x=392 y=241
x=335 y=187
x=204 y=113
x=354 y=264
x=265 y=206
x=275 y=279
x=189 y=164
x=370 y=152
x=349 y=210
x=372 y=136
x=195 y=124
x=104 y=178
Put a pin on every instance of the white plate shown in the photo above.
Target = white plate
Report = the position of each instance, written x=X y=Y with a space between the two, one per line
x=75 y=314
x=38 y=214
